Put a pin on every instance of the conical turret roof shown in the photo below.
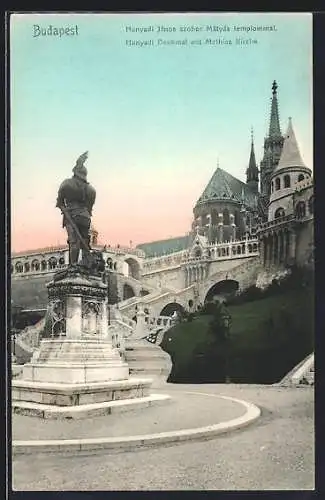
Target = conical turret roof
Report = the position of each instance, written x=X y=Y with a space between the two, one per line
x=290 y=156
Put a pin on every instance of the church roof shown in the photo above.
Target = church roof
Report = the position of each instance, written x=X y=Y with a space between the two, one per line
x=290 y=156
x=224 y=186
x=162 y=247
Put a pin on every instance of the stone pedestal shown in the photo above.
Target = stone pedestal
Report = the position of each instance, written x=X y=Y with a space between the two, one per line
x=76 y=365
x=147 y=360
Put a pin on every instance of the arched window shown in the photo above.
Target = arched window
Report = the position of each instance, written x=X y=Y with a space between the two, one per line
x=300 y=210
x=311 y=204
x=287 y=181
x=109 y=263
x=115 y=266
x=237 y=218
x=277 y=184
x=198 y=252
x=53 y=263
x=279 y=213
x=300 y=177
x=226 y=218
x=35 y=265
x=19 y=267
x=61 y=261
x=43 y=265
x=26 y=267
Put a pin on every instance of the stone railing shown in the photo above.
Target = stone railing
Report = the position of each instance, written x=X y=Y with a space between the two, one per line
x=30 y=337
x=275 y=222
x=214 y=251
x=165 y=261
x=228 y=250
x=304 y=184
x=122 y=250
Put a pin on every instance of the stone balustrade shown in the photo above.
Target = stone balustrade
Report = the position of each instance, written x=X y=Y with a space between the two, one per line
x=215 y=251
x=307 y=182
x=169 y=260
x=275 y=222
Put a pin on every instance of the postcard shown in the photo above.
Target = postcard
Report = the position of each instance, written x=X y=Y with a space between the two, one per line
x=162 y=251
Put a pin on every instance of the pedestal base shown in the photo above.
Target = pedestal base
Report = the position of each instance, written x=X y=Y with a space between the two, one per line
x=147 y=360
x=79 y=361
x=59 y=401
x=89 y=410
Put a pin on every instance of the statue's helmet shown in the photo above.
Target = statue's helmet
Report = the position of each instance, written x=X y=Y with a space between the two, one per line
x=80 y=172
x=79 y=169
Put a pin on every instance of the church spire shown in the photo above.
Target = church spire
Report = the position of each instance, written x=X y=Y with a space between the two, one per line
x=252 y=170
x=272 y=147
x=274 y=130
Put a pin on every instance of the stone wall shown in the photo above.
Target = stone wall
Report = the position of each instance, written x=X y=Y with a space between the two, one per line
x=305 y=244
x=167 y=278
x=30 y=292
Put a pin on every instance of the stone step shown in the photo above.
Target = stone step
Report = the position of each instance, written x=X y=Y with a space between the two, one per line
x=143 y=355
x=87 y=410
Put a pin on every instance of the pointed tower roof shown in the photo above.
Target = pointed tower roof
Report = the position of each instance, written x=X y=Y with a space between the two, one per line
x=290 y=156
x=274 y=129
x=252 y=170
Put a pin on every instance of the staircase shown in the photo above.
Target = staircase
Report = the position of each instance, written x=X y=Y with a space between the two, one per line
x=27 y=341
x=301 y=375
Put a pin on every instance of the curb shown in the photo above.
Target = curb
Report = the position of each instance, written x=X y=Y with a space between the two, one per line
x=133 y=442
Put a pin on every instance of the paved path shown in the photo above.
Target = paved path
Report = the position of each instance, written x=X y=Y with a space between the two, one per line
x=276 y=452
x=181 y=412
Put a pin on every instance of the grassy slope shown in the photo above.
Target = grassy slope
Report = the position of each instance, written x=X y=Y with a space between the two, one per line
x=248 y=331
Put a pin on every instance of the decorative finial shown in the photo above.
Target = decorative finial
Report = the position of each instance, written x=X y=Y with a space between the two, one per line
x=82 y=158
x=252 y=135
x=274 y=87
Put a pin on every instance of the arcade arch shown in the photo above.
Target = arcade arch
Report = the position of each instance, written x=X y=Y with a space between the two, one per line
x=222 y=290
x=128 y=292
x=133 y=268
x=170 y=308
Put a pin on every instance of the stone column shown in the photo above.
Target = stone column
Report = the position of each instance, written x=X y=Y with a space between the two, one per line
x=279 y=247
x=233 y=227
x=286 y=245
x=73 y=317
x=265 y=256
x=261 y=240
x=141 y=329
x=292 y=245
x=104 y=320
x=186 y=277
x=220 y=227
x=66 y=257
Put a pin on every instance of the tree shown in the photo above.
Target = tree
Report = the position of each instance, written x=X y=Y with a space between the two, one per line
x=220 y=323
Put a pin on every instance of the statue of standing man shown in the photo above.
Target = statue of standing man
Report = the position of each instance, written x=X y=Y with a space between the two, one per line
x=76 y=198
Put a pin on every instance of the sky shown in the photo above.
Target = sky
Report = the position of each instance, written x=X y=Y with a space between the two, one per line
x=156 y=119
